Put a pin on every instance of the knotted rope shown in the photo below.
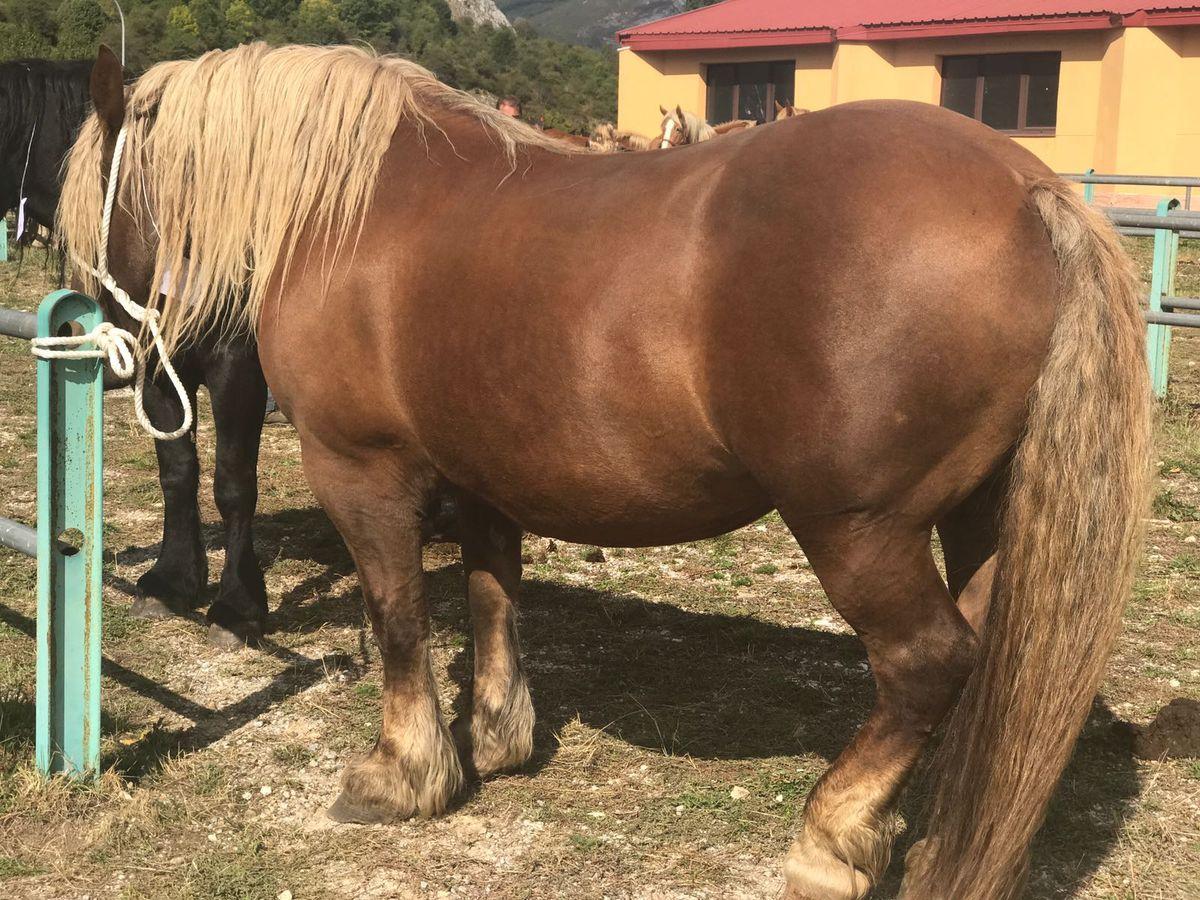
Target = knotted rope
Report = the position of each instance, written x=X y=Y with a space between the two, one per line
x=117 y=345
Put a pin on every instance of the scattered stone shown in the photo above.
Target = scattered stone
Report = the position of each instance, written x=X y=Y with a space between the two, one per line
x=593 y=555
x=245 y=795
x=265 y=790
x=1190 y=539
x=1174 y=733
x=739 y=793
x=284 y=895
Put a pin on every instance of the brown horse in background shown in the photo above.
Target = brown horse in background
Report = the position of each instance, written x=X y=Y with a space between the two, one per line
x=605 y=138
x=975 y=366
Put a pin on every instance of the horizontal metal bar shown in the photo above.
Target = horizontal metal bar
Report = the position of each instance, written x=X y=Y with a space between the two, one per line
x=1183 y=320
x=1181 y=302
x=1134 y=180
x=1149 y=220
x=1149 y=232
x=18 y=536
x=15 y=323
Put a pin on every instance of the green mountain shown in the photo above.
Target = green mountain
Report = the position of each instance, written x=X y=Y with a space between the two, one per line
x=591 y=22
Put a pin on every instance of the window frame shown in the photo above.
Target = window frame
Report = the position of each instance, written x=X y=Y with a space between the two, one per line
x=1022 y=129
x=736 y=85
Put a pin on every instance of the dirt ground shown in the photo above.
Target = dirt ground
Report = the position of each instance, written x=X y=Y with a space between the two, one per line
x=688 y=697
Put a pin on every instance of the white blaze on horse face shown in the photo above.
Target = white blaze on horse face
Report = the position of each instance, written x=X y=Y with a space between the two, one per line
x=667 y=130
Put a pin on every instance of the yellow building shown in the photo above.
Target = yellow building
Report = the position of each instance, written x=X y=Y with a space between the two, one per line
x=1116 y=90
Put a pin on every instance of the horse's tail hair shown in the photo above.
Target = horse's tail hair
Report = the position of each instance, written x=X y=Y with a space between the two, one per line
x=1068 y=550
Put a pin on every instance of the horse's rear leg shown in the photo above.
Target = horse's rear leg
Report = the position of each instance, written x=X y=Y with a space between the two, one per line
x=882 y=578
x=969 y=534
x=500 y=732
x=413 y=768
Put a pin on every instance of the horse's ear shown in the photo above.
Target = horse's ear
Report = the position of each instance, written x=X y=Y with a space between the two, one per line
x=778 y=107
x=679 y=114
x=108 y=90
x=662 y=109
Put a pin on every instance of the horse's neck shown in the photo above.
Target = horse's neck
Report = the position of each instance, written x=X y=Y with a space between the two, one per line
x=704 y=131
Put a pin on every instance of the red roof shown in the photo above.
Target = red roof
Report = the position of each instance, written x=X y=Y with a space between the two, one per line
x=741 y=23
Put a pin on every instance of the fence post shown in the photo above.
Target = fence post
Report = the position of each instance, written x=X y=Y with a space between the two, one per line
x=1089 y=190
x=1162 y=279
x=4 y=239
x=70 y=509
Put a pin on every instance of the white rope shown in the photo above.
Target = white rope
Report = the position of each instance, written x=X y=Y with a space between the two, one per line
x=117 y=345
x=21 y=198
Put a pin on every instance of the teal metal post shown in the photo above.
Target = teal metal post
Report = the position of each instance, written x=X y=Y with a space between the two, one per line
x=1162 y=280
x=70 y=509
x=4 y=240
x=1089 y=190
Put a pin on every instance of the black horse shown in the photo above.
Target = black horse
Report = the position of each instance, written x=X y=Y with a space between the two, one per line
x=42 y=105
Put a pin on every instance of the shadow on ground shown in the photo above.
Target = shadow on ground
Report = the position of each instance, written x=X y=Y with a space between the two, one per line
x=705 y=685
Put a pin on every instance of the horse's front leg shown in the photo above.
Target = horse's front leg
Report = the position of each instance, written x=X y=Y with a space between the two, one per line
x=238 y=391
x=376 y=505
x=499 y=732
x=174 y=584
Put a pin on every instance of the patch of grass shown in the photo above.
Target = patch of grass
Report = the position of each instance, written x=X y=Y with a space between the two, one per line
x=1168 y=506
x=16 y=868
x=585 y=843
x=765 y=569
x=741 y=581
x=367 y=690
x=1185 y=564
x=247 y=872
x=291 y=755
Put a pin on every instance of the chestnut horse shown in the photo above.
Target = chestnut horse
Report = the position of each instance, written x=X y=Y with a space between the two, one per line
x=680 y=127
x=974 y=365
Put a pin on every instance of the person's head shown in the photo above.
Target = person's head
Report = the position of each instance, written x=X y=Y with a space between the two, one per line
x=510 y=106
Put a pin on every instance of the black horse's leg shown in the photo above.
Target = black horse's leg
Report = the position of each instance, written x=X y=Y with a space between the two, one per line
x=239 y=394
x=178 y=577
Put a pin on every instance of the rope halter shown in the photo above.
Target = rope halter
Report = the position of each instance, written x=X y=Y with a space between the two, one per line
x=116 y=345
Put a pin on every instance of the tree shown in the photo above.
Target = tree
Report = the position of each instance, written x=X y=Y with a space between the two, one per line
x=19 y=42
x=80 y=23
x=210 y=21
x=317 y=22
x=182 y=34
x=503 y=45
x=241 y=22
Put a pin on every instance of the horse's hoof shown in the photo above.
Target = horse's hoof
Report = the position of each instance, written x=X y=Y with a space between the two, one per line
x=235 y=637
x=351 y=812
x=167 y=591
x=145 y=606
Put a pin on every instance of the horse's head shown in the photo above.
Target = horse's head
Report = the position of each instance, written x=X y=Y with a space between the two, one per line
x=787 y=111
x=128 y=249
x=676 y=129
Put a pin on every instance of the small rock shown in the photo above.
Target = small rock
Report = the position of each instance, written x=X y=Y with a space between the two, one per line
x=779 y=798
x=245 y=795
x=284 y=895
x=265 y=790
x=593 y=555
x=739 y=793
x=1190 y=539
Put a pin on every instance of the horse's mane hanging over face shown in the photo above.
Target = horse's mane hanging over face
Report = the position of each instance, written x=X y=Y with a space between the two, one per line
x=227 y=154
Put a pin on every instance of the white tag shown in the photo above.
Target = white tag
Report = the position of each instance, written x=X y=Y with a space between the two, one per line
x=168 y=287
x=21 y=218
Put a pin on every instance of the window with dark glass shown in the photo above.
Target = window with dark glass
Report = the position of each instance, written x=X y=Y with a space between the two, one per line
x=749 y=90
x=1015 y=92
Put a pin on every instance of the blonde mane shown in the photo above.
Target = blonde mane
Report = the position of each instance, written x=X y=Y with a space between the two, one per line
x=697 y=128
x=231 y=157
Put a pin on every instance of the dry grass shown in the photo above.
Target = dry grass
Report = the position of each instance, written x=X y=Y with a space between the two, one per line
x=663 y=678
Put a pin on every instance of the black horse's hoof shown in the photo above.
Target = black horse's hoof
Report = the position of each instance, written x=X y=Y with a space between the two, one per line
x=350 y=812
x=172 y=593
x=234 y=637
x=146 y=606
